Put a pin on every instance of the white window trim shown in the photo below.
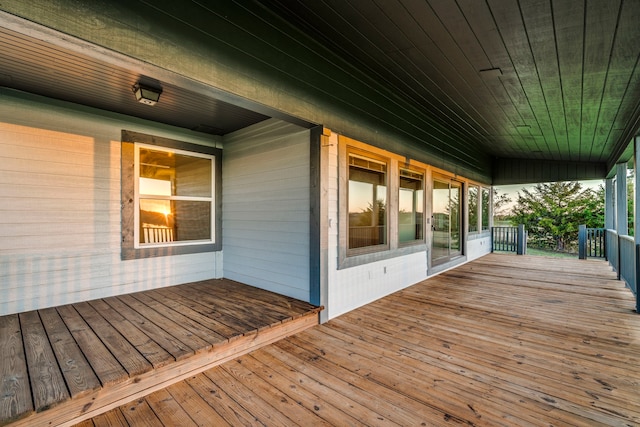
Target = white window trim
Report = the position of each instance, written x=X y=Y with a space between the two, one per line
x=138 y=196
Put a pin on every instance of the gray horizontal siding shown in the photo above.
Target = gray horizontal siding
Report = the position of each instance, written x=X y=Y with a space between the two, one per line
x=60 y=213
x=266 y=207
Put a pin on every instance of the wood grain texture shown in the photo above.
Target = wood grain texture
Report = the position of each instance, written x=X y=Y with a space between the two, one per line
x=48 y=385
x=112 y=351
x=77 y=372
x=106 y=367
x=504 y=340
x=15 y=390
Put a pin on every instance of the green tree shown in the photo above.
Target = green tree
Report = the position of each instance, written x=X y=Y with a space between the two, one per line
x=501 y=203
x=552 y=212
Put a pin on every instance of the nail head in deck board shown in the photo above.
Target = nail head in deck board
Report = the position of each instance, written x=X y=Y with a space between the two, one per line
x=106 y=367
x=16 y=391
x=130 y=359
x=155 y=354
x=47 y=383
x=77 y=372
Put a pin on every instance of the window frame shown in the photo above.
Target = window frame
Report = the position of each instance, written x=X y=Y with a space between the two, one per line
x=129 y=204
x=355 y=152
x=478 y=211
x=138 y=196
x=423 y=173
x=485 y=191
x=361 y=256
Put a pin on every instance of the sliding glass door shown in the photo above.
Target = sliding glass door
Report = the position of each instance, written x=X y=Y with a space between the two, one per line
x=446 y=220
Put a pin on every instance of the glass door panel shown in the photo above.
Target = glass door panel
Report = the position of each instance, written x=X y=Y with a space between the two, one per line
x=446 y=220
x=455 y=247
x=440 y=221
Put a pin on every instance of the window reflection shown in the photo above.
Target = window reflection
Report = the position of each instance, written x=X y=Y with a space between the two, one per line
x=410 y=208
x=473 y=209
x=175 y=196
x=485 y=208
x=367 y=202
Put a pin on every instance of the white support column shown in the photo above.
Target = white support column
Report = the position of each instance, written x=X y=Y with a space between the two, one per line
x=621 y=200
x=609 y=204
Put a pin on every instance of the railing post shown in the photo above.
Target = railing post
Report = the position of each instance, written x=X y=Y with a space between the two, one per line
x=582 y=241
x=618 y=263
x=522 y=241
x=493 y=230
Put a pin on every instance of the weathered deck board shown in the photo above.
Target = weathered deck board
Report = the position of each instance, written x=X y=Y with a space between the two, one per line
x=106 y=367
x=104 y=355
x=131 y=360
x=47 y=382
x=15 y=389
x=150 y=349
x=77 y=372
x=501 y=341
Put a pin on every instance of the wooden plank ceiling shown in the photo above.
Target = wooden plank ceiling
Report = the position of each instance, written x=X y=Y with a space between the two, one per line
x=468 y=82
x=532 y=79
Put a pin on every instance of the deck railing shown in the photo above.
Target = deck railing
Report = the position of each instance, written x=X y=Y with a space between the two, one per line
x=611 y=249
x=623 y=255
x=509 y=239
x=627 y=254
x=591 y=242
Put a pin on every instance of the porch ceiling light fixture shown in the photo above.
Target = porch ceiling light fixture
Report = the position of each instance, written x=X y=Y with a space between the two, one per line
x=145 y=94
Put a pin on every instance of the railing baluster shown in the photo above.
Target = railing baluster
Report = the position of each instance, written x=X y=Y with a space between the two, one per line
x=505 y=239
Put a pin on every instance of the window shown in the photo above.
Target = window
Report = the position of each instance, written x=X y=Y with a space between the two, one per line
x=174 y=194
x=411 y=206
x=168 y=196
x=474 y=208
x=367 y=202
x=485 y=208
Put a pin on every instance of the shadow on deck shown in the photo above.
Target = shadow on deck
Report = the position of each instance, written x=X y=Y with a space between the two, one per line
x=69 y=363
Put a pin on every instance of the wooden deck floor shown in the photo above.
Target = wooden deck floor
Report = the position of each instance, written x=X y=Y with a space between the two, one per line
x=503 y=340
x=64 y=364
